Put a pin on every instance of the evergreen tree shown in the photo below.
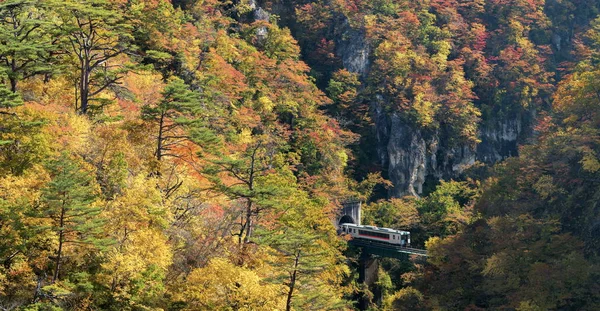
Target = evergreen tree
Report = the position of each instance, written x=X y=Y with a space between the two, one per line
x=171 y=114
x=97 y=33
x=26 y=40
x=8 y=100
x=300 y=256
x=68 y=199
x=247 y=173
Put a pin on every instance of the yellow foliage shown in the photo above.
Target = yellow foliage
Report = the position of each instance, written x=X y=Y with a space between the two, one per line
x=144 y=249
x=434 y=251
x=425 y=110
x=77 y=136
x=495 y=265
x=590 y=162
x=144 y=85
x=265 y=104
x=529 y=306
x=407 y=298
x=140 y=206
x=222 y=285
x=13 y=189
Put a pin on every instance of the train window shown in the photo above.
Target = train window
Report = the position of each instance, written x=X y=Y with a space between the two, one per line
x=374 y=234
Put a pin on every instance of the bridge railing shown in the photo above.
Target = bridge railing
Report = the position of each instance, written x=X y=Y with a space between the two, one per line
x=386 y=249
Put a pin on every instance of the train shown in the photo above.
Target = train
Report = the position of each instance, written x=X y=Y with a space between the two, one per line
x=386 y=235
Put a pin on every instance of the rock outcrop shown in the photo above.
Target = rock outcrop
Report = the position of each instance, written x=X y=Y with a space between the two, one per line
x=410 y=157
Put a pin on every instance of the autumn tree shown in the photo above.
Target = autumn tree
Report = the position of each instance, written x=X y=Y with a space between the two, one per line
x=136 y=264
x=448 y=209
x=347 y=107
x=395 y=213
x=407 y=299
x=545 y=198
x=166 y=36
x=221 y=285
x=23 y=250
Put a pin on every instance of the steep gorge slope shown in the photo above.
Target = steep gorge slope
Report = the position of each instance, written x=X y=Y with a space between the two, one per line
x=444 y=84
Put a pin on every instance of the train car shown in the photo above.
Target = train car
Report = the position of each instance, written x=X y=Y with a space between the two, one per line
x=386 y=235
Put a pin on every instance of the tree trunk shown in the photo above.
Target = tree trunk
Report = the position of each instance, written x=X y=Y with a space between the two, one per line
x=288 y=304
x=159 y=140
x=83 y=91
x=12 y=78
x=248 y=221
x=61 y=233
x=84 y=84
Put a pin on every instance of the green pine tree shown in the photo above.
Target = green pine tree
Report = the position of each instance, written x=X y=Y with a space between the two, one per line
x=96 y=33
x=68 y=199
x=27 y=42
x=171 y=114
x=8 y=100
x=301 y=256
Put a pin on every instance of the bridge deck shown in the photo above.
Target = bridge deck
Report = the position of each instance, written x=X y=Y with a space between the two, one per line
x=386 y=249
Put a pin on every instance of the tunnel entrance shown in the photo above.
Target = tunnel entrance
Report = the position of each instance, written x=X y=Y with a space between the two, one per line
x=346 y=220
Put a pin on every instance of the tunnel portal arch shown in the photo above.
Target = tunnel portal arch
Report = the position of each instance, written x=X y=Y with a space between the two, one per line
x=346 y=219
x=349 y=212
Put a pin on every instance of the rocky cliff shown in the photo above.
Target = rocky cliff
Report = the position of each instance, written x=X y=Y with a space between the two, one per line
x=410 y=157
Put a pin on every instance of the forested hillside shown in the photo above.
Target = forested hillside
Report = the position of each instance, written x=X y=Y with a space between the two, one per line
x=193 y=154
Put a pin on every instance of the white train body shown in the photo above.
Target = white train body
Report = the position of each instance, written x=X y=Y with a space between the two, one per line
x=387 y=235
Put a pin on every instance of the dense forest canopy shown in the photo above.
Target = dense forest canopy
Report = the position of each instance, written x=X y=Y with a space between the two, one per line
x=193 y=154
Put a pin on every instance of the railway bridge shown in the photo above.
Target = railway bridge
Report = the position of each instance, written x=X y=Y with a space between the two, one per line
x=382 y=249
x=351 y=213
x=371 y=250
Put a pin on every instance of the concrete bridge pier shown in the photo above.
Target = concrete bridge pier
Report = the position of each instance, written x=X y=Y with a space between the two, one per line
x=367 y=277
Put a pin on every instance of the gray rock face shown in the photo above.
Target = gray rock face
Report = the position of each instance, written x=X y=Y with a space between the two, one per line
x=408 y=155
x=259 y=14
x=557 y=40
x=353 y=48
x=499 y=141
x=411 y=156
